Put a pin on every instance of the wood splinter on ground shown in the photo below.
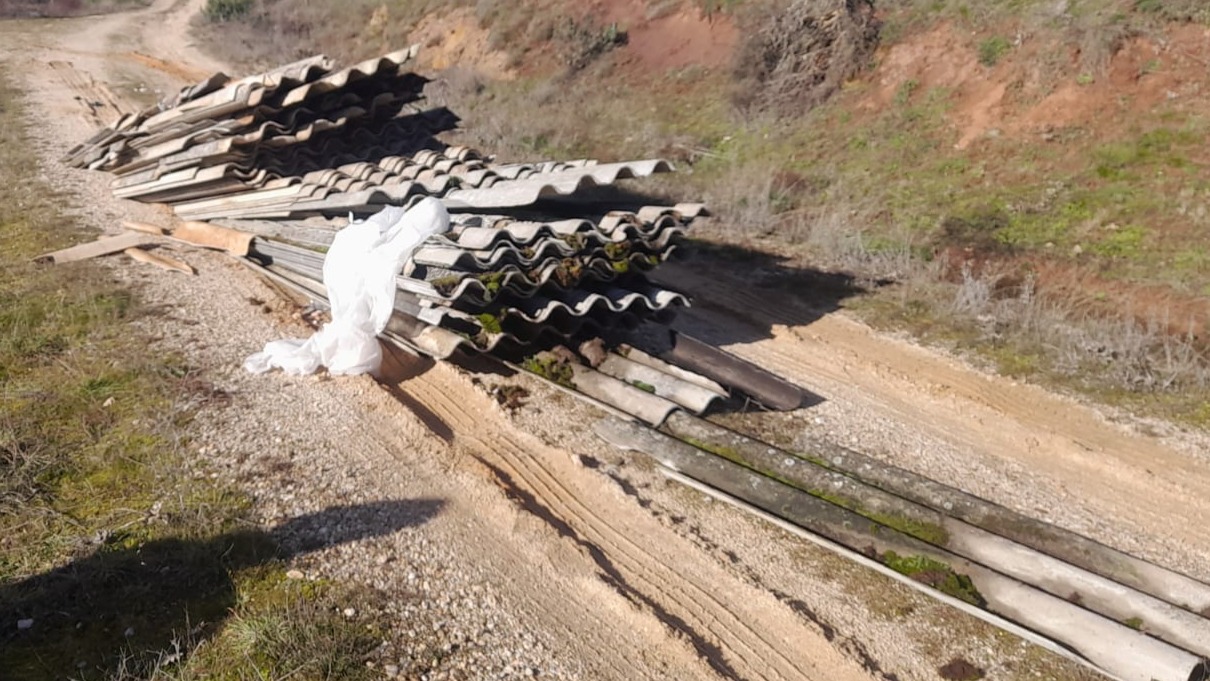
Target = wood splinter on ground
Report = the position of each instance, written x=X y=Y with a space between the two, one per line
x=161 y=261
x=93 y=249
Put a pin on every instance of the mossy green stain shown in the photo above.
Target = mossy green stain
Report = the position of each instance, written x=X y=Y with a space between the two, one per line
x=445 y=285
x=645 y=387
x=922 y=530
x=936 y=574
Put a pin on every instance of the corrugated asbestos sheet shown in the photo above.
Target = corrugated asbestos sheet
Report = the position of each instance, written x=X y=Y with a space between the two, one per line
x=288 y=155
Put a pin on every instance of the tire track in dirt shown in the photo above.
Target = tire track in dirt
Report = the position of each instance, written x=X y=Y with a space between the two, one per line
x=426 y=430
x=98 y=105
x=506 y=462
x=742 y=632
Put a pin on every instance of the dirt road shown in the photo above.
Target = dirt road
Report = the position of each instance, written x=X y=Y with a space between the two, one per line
x=556 y=556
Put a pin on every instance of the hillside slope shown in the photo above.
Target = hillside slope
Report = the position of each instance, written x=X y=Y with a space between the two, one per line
x=1031 y=176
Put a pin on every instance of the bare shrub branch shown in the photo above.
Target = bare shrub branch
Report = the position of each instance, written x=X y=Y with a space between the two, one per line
x=804 y=52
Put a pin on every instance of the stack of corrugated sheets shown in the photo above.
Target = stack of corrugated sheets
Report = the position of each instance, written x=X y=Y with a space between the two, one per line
x=288 y=154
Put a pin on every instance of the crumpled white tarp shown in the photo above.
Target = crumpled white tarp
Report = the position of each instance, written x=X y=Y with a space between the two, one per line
x=359 y=273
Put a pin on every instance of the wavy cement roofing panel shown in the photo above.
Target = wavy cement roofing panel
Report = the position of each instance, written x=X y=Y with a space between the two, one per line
x=387 y=63
x=528 y=191
x=534 y=256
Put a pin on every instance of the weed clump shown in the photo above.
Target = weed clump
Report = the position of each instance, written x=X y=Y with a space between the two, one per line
x=226 y=10
x=802 y=53
x=992 y=49
x=981 y=231
x=552 y=368
x=584 y=42
x=935 y=574
x=490 y=323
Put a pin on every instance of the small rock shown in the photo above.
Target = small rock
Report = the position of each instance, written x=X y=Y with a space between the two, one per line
x=350 y=612
x=295 y=574
x=107 y=403
x=391 y=670
x=23 y=625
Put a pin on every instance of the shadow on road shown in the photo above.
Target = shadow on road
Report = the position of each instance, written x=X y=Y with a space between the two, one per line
x=146 y=598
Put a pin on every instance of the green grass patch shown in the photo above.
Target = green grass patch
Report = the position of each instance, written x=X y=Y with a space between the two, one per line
x=116 y=560
x=1126 y=242
x=226 y=10
x=992 y=49
x=296 y=626
x=936 y=574
x=551 y=368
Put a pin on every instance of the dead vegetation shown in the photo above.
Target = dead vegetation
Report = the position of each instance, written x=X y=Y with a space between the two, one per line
x=800 y=53
x=1029 y=331
x=63 y=8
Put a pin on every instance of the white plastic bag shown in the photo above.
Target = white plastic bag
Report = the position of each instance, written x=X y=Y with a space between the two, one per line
x=359 y=273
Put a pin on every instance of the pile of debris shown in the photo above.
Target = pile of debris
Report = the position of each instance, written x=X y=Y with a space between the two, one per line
x=289 y=155
x=531 y=266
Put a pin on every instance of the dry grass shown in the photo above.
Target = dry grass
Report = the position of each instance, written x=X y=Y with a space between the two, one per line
x=64 y=8
x=1018 y=329
x=1107 y=352
x=799 y=53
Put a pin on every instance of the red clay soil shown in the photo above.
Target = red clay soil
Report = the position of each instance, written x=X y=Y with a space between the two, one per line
x=675 y=39
x=1025 y=96
x=1019 y=98
x=1141 y=76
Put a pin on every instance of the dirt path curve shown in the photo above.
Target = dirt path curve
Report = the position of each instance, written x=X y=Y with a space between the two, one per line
x=578 y=579
x=1045 y=455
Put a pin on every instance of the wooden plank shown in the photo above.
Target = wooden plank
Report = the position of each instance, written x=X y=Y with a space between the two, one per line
x=103 y=246
x=161 y=261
